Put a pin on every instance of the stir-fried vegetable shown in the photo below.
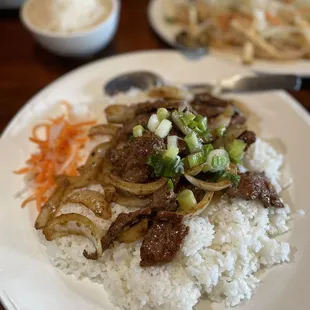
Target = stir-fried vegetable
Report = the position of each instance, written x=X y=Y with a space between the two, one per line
x=133 y=233
x=49 y=208
x=186 y=200
x=198 y=208
x=103 y=130
x=135 y=188
x=75 y=224
x=92 y=200
x=273 y=29
x=119 y=114
x=208 y=186
x=130 y=201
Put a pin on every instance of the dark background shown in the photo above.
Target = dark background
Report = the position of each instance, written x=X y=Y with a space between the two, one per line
x=25 y=68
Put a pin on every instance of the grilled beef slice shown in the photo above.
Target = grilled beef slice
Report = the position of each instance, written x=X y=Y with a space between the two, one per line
x=164 y=199
x=163 y=239
x=123 y=220
x=130 y=160
x=255 y=185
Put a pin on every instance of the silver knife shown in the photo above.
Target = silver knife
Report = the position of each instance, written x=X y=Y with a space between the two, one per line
x=240 y=84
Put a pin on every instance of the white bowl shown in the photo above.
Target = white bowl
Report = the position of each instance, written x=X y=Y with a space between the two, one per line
x=77 y=44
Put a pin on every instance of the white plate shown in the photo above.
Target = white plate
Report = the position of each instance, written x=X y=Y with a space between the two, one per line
x=167 y=33
x=29 y=282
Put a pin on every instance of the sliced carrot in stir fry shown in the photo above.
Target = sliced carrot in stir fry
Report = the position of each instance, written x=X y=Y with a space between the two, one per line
x=58 y=153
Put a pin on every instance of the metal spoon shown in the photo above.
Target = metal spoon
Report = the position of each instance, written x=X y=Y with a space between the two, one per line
x=137 y=79
x=145 y=80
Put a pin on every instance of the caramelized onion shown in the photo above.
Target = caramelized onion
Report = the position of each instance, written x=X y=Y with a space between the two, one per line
x=195 y=170
x=131 y=202
x=104 y=129
x=119 y=114
x=92 y=200
x=207 y=186
x=133 y=233
x=198 y=208
x=74 y=224
x=109 y=192
x=49 y=208
x=94 y=161
x=139 y=189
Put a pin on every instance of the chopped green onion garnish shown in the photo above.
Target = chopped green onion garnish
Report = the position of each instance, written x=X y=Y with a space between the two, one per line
x=176 y=118
x=137 y=131
x=189 y=116
x=172 y=152
x=172 y=141
x=186 y=200
x=163 y=128
x=206 y=149
x=220 y=131
x=166 y=166
x=192 y=142
x=195 y=159
x=207 y=136
x=153 y=123
x=236 y=150
x=201 y=123
x=222 y=175
x=234 y=178
x=162 y=113
x=218 y=160
x=170 y=184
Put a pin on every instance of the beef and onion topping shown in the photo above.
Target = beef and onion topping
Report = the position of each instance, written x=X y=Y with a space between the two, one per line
x=164 y=162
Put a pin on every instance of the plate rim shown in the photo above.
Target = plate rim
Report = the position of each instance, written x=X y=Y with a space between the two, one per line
x=286 y=97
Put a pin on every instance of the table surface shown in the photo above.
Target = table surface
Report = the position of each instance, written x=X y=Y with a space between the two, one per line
x=25 y=68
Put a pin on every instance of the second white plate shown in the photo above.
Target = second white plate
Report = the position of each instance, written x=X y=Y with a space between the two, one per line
x=167 y=33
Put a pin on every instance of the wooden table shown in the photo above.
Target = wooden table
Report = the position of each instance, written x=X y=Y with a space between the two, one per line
x=25 y=68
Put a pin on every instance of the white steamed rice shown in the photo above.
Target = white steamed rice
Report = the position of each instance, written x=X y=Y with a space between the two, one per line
x=225 y=247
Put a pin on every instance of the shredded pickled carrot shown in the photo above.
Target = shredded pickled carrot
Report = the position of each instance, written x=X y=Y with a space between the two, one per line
x=58 y=152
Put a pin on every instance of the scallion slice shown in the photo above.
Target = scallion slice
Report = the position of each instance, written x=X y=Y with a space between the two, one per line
x=236 y=150
x=192 y=142
x=195 y=159
x=137 y=131
x=220 y=131
x=162 y=114
x=176 y=118
x=218 y=160
x=186 y=199
x=172 y=141
x=153 y=123
x=163 y=128
x=206 y=149
x=172 y=152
